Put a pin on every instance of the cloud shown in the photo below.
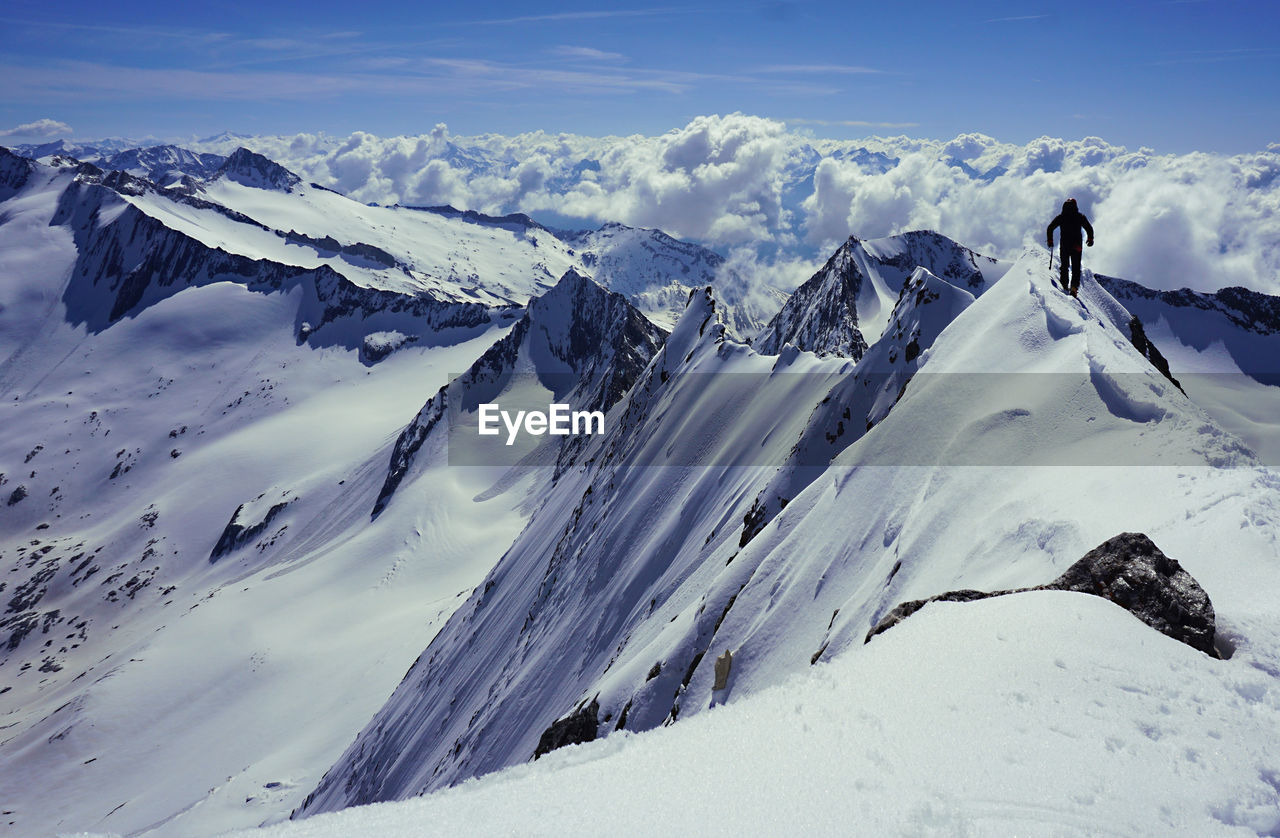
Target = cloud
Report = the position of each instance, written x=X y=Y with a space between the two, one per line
x=41 y=129
x=589 y=53
x=557 y=17
x=747 y=184
x=822 y=69
x=433 y=78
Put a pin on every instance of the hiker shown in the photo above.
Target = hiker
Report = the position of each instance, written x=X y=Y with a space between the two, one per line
x=1070 y=221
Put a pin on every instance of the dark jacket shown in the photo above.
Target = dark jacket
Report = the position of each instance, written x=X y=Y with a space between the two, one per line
x=1070 y=221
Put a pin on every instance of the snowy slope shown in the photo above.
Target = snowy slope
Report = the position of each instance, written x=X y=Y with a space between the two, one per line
x=630 y=578
x=1049 y=714
x=133 y=446
x=251 y=207
x=578 y=344
x=1224 y=348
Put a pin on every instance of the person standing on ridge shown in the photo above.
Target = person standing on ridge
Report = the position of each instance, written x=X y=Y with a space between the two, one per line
x=1070 y=221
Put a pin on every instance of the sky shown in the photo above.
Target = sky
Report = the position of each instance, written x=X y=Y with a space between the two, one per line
x=1173 y=75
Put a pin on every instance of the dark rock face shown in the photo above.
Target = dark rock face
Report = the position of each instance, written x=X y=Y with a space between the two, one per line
x=18 y=495
x=822 y=315
x=1129 y=570
x=1138 y=337
x=573 y=729
x=236 y=534
x=252 y=169
x=14 y=172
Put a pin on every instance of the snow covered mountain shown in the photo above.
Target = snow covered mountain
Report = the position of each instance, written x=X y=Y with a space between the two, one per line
x=578 y=344
x=606 y=613
x=846 y=304
x=196 y=407
x=208 y=384
x=400 y=249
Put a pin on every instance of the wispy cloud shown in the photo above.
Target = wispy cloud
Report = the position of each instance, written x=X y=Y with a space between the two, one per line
x=568 y=16
x=274 y=43
x=482 y=73
x=589 y=53
x=146 y=33
x=433 y=78
x=820 y=69
x=1013 y=18
x=1213 y=56
x=851 y=123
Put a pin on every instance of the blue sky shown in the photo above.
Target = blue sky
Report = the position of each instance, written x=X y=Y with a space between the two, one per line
x=1175 y=75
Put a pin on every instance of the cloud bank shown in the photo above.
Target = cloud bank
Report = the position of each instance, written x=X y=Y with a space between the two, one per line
x=733 y=182
x=41 y=129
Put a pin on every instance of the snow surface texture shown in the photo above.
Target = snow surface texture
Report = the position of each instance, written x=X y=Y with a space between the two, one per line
x=139 y=441
x=1043 y=714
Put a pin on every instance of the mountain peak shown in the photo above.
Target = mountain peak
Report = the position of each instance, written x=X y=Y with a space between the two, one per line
x=252 y=169
x=822 y=315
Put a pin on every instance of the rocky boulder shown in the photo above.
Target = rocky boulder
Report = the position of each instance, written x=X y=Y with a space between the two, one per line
x=579 y=726
x=1129 y=570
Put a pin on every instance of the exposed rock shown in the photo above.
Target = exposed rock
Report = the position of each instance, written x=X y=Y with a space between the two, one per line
x=237 y=533
x=17 y=495
x=1129 y=570
x=724 y=665
x=822 y=314
x=379 y=345
x=1138 y=337
x=579 y=726
x=252 y=169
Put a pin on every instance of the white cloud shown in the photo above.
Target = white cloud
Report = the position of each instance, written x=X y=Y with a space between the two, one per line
x=589 y=53
x=41 y=129
x=737 y=181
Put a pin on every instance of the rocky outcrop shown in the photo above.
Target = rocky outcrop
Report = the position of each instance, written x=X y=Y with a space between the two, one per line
x=822 y=315
x=249 y=168
x=1129 y=570
x=238 y=533
x=14 y=172
x=576 y=728
x=1138 y=337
